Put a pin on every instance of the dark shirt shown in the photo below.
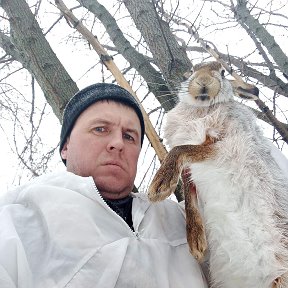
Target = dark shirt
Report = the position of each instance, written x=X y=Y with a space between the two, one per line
x=123 y=207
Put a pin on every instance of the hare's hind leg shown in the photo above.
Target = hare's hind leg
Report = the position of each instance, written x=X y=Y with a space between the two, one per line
x=196 y=237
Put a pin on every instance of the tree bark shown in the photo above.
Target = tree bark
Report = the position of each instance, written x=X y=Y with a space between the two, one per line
x=37 y=56
x=138 y=61
x=169 y=56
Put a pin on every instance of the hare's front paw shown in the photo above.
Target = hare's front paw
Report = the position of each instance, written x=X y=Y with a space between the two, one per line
x=163 y=184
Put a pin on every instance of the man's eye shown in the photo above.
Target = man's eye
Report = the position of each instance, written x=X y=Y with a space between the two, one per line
x=99 y=129
x=128 y=137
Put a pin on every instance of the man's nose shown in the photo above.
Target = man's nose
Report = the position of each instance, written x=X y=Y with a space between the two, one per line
x=116 y=142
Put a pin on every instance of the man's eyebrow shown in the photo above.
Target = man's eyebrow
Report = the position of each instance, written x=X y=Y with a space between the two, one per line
x=134 y=131
x=99 y=120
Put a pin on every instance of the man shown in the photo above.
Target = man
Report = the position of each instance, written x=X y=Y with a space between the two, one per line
x=83 y=227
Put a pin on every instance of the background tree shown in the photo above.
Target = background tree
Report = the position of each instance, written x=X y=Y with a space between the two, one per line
x=152 y=42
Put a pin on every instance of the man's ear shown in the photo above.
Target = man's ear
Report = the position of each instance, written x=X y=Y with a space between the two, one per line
x=65 y=149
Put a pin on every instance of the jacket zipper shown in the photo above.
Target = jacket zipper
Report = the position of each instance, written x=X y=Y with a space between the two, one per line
x=135 y=233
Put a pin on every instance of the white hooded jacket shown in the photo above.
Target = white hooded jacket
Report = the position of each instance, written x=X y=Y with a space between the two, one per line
x=57 y=231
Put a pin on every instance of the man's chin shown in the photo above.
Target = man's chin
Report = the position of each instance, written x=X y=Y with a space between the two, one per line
x=113 y=188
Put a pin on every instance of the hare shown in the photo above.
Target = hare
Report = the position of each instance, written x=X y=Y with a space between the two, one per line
x=240 y=209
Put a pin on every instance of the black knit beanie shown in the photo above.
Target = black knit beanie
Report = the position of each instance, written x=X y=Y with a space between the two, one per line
x=88 y=96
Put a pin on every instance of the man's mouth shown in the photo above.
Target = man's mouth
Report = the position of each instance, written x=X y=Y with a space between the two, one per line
x=114 y=163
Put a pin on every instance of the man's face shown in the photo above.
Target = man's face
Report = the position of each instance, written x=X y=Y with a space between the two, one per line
x=105 y=143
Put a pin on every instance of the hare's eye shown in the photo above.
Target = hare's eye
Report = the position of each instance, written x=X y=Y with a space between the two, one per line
x=222 y=73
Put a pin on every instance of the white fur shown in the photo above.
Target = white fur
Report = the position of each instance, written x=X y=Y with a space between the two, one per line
x=241 y=191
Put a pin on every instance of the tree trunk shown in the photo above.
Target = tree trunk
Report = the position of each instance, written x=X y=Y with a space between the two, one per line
x=37 y=56
x=138 y=61
x=168 y=55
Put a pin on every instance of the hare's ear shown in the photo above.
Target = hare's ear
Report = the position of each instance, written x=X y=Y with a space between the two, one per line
x=245 y=90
